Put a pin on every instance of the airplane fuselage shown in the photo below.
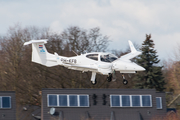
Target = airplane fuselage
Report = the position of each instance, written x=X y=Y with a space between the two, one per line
x=93 y=62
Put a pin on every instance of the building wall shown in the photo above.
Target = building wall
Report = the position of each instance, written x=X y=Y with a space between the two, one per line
x=104 y=112
x=9 y=113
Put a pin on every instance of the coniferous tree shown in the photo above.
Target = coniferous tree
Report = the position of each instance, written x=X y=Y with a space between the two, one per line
x=152 y=77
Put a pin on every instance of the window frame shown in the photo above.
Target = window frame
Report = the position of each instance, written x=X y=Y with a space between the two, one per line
x=68 y=100
x=130 y=97
x=161 y=106
x=10 y=106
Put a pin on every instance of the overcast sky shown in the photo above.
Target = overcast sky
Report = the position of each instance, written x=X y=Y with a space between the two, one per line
x=122 y=20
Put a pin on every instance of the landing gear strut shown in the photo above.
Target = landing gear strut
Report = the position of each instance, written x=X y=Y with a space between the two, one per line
x=125 y=82
x=109 y=78
x=93 y=78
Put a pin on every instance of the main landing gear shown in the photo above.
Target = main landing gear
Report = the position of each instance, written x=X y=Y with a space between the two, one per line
x=125 y=82
x=93 y=78
x=109 y=77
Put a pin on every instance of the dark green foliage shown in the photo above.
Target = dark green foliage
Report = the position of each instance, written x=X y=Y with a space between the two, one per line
x=152 y=77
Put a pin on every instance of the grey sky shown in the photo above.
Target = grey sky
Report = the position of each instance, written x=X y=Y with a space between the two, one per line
x=122 y=20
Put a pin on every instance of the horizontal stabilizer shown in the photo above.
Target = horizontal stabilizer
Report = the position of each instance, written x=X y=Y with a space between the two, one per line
x=36 y=41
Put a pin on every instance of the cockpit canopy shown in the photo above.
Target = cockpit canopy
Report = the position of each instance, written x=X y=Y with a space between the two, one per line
x=104 y=57
x=108 y=58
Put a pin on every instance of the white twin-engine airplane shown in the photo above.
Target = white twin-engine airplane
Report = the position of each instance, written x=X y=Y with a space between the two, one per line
x=96 y=62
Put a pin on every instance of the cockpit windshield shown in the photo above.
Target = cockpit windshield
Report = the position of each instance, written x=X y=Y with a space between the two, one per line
x=108 y=58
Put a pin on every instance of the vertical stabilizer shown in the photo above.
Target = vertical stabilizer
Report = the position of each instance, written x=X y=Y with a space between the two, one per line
x=40 y=54
x=133 y=50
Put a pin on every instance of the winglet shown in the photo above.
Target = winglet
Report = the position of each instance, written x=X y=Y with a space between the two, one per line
x=132 y=47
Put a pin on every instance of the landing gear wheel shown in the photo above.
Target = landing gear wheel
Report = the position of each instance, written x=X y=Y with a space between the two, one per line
x=125 y=82
x=94 y=82
x=109 y=78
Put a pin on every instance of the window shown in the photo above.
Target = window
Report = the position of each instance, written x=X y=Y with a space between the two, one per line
x=146 y=100
x=73 y=100
x=130 y=101
x=136 y=101
x=52 y=100
x=63 y=100
x=5 y=102
x=83 y=100
x=158 y=103
x=68 y=100
x=125 y=100
x=115 y=100
x=92 y=56
x=0 y=102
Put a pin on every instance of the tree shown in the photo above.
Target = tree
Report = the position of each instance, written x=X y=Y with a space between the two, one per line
x=152 y=77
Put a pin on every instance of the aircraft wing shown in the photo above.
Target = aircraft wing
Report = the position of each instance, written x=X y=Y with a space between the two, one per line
x=80 y=67
x=129 y=56
x=132 y=54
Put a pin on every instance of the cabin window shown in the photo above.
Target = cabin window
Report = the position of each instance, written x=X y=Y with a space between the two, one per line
x=5 y=102
x=92 y=56
x=68 y=100
x=158 y=103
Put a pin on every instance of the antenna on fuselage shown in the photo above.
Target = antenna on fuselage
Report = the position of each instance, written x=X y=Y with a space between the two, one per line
x=75 y=52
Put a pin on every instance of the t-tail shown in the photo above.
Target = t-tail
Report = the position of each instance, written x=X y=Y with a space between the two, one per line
x=40 y=54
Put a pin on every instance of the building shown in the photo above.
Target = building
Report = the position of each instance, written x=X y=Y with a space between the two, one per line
x=102 y=104
x=7 y=105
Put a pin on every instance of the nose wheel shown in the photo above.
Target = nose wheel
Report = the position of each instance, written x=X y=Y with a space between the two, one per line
x=125 y=82
x=94 y=82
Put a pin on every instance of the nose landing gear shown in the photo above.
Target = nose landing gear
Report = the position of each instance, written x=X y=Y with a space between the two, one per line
x=94 y=82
